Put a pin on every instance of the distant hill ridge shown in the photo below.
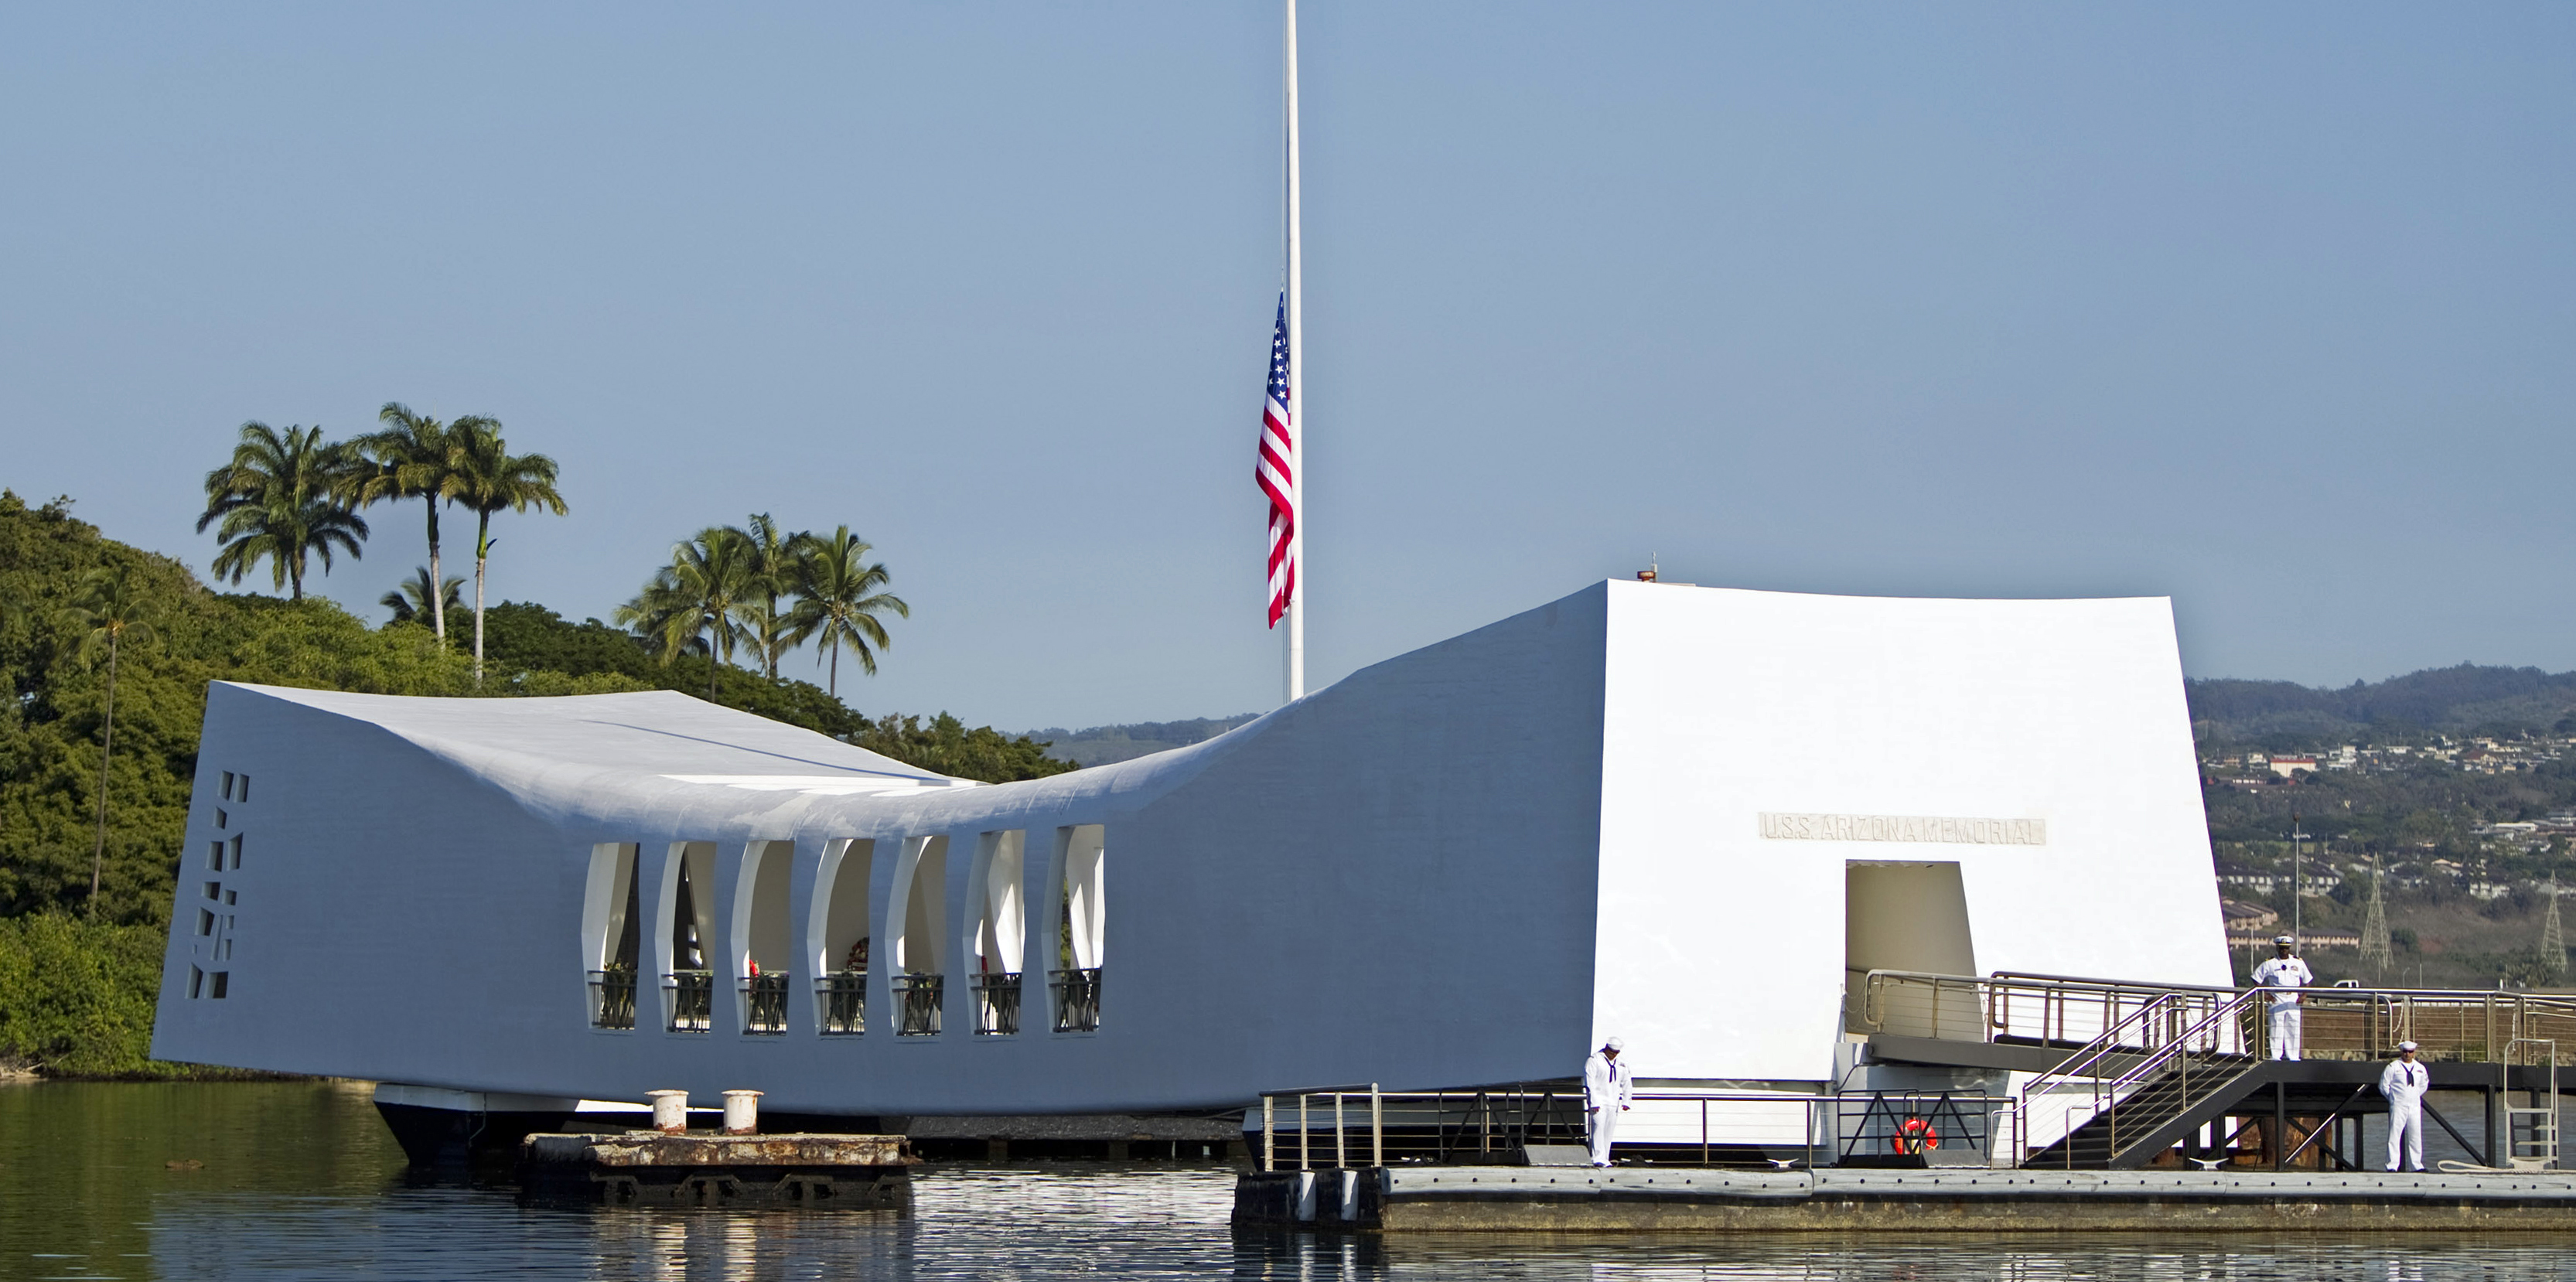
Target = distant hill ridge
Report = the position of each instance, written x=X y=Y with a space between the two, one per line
x=2467 y=699
x=1101 y=745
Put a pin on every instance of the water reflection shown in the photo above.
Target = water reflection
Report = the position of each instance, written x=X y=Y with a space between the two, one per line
x=300 y=1181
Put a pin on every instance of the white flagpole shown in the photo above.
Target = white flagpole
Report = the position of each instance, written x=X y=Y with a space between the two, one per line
x=1296 y=394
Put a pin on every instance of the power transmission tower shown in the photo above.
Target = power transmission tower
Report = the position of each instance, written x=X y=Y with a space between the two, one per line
x=2553 y=941
x=2376 y=952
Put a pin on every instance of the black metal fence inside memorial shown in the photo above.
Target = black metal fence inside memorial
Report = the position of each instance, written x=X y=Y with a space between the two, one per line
x=692 y=996
x=764 y=1003
x=845 y=1002
x=916 y=1003
x=612 y=998
x=997 y=1003
x=1077 y=999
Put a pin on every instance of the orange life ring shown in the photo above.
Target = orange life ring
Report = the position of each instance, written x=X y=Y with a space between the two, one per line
x=1916 y=1135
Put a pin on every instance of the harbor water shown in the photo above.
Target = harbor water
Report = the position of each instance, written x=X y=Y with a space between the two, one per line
x=300 y=1180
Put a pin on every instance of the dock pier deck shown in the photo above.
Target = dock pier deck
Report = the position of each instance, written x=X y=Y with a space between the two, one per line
x=1633 y=1199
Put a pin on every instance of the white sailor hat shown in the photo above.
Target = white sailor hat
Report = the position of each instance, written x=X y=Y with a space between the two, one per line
x=1614 y=1044
x=2284 y=939
x=2405 y=1046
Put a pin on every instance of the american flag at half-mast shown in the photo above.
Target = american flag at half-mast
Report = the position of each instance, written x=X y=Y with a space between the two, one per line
x=1274 y=473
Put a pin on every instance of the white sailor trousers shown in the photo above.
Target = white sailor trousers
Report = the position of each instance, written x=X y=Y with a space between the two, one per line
x=2285 y=1031
x=2406 y=1134
x=1603 y=1123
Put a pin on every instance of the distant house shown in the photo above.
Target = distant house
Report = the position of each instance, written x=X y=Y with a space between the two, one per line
x=2288 y=767
x=2240 y=915
x=2313 y=883
x=2310 y=940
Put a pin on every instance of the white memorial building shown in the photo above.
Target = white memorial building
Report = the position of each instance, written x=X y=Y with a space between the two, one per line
x=1680 y=815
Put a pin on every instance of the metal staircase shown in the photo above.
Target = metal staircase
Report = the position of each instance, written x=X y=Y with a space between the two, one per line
x=2144 y=1083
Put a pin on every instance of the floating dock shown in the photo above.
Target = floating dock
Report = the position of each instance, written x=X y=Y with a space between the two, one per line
x=1541 y=1199
x=649 y=1168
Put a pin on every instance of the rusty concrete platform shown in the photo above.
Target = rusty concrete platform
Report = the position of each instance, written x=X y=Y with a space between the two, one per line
x=648 y=1168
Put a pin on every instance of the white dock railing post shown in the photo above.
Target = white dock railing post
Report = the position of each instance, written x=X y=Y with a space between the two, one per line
x=1377 y=1126
x=1305 y=1134
x=1341 y=1161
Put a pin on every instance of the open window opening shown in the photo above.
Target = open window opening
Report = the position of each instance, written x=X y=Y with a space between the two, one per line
x=761 y=944
x=1907 y=916
x=837 y=930
x=687 y=937
x=1000 y=928
x=612 y=934
x=1075 y=921
x=917 y=912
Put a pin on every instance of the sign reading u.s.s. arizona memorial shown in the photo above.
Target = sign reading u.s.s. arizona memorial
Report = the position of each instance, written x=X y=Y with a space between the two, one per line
x=1923 y=828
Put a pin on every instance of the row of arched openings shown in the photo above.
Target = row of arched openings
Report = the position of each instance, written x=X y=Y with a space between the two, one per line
x=667 y=965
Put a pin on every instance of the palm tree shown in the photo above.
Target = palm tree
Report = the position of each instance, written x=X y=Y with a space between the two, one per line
x=698 y=601
x=282 y=498
x=487 y=478
x=411 y=602
x=107 y=610
x=410 y=458
x=839 y=596
x=772 y=566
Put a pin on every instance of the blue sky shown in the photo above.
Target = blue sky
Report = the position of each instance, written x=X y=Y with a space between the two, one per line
x=2266 y=308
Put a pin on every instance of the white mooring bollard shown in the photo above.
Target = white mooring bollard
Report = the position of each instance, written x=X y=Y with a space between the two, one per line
x=742 y=1112
x=670 y=1111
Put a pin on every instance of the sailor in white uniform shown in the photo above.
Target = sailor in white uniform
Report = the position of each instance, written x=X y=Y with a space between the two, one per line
x=1605 y=1097
x=2404 y=1082
x=2285 y=975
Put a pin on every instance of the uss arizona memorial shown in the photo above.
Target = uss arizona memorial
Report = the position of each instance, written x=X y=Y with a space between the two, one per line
x=1687 y=816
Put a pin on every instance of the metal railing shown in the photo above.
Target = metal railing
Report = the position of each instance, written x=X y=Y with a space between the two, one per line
x=691 y=995
x=612 y=998
x=917 y=1000
x=843 y=997
x=2035 y=1010
x=997 y=1003
x=1313 y=1127
x=764 y=1003
x=2073 y=1012
x=2530 y=1133
x=1077 y=999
